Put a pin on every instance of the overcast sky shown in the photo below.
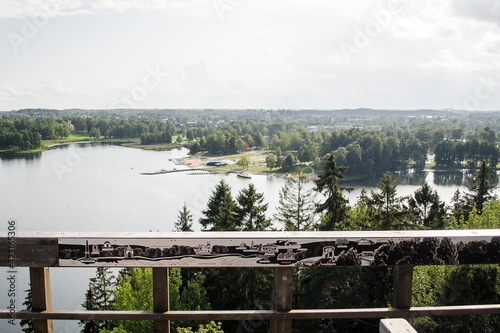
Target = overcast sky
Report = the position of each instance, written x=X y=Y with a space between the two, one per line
x=274 y=54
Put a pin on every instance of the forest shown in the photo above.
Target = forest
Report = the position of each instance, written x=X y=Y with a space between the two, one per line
x=369 y=142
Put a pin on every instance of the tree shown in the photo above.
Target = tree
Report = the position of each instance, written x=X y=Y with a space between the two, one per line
x=99 y=296
x=211 y=327
x=184 y=219
x=271 y=161
x=27 y=322
x=481 y=188
x=386 y=211
x=219 y=214
x=288 y=163
x=431 y=210
x=244 y=161
x=95 y=132
x=335 y=207
x=250 y=212
x=296 y=210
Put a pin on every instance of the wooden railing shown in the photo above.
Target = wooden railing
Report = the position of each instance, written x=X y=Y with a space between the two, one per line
x=281 y=250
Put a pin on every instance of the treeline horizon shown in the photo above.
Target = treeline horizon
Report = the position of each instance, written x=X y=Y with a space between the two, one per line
x=366 y=142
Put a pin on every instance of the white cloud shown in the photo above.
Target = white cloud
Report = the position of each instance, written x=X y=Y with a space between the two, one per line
x=481 y=10
x=9 y=92
x=53 y=8
x=444 y=60
x=489 y=43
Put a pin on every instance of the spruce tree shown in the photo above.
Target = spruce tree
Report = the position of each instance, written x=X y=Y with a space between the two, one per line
x=335 y=207
x=481 y=190
x=387 y=211
x=99 y=296
x=431 y=210
x=296 y=210
x=250 y=212
x=184 y=219
x=27 y=322
x=219 y=215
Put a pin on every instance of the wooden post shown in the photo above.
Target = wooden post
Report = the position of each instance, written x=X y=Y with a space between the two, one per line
x=282 y=298
x=395 y=325
x=40 y=297
x=403 y=279
x=161 y=300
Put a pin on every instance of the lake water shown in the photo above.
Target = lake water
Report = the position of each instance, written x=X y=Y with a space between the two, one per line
x=97 y=187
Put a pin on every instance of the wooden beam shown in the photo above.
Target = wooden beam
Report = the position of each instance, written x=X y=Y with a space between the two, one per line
x=41 y=297
x=36 y=249
x=161 y=300
x=282 y=298
x=258 y=314
x=396 y=325
x=402 y=287
x=31 y=252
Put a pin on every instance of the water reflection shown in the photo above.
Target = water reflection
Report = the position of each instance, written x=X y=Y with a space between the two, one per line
x=7 y=156
x=410 y=177
x=433 y=177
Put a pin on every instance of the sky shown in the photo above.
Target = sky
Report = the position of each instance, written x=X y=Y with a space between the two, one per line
x=258 y=54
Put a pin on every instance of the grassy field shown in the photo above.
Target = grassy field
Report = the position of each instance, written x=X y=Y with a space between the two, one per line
x=74 y=137
x=159 y=146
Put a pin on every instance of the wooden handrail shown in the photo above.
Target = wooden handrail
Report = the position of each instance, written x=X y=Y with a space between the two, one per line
x=281 y=250
x=298 y=314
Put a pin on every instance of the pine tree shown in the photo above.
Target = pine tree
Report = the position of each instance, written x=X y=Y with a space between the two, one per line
x=99 y=296
x=250 y=212
x=430 y=209
x=296 y=210
x=219 y=214
x=27 y=322
x=184 y=219
x=387 y=211
x=335 y=207
x=481 y=188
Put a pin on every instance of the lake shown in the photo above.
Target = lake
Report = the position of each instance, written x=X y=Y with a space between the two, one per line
x=99 y=187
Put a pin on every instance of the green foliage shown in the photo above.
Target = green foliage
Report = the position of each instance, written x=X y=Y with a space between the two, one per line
x=27 y=322
x=271 y=161
x=431 y=210
x=99 y=296
x=219 y=214
x=244 y=161
x=288 y=163
x=114 y=330
x=234 y=288
x=335 y=207
x=457 y=285
x=344 y=288
x=384 y=210
x=211 y=327
x=489 y=219
x=296 y=210
x=250 y=211
x=135 y=292
x=481 y=190
x=184 y=219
